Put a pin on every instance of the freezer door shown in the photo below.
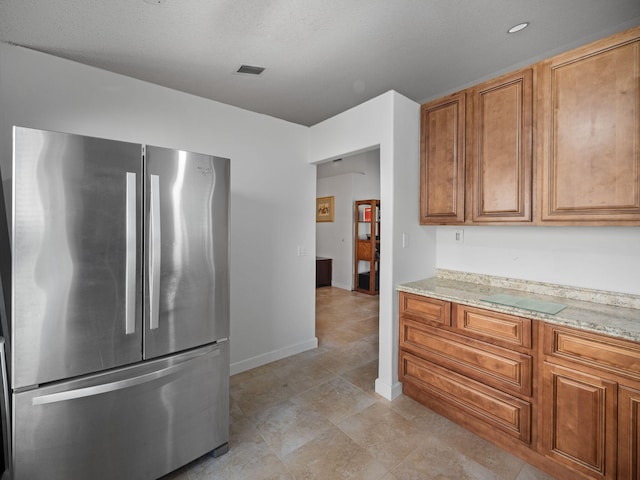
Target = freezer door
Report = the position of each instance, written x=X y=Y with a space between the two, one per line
x=138 y=422
x=187 y=283
x=76 y=266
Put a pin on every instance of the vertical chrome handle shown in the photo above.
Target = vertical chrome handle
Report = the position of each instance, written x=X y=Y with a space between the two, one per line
x=5 y=409
x=130 y=275
x=154 y=253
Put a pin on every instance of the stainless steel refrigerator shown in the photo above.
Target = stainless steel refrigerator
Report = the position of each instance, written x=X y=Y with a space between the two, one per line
x=119 y=308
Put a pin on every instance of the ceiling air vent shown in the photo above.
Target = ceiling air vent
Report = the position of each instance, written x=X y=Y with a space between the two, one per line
x=250 y=70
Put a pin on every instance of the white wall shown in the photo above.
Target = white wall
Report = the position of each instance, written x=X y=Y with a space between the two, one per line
x=601 y=258
x=367 y=186
x=392 y=122
x=335 y=239
x=272 y=185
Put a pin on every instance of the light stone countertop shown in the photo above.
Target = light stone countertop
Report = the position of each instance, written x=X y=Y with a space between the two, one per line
x=609 y=313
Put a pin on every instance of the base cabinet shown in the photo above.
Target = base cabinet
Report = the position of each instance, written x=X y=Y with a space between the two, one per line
x=563 y=399
x=591 y=388
x=453 y=360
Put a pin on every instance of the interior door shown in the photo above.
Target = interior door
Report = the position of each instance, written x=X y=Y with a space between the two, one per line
x=187 y=283
x=76 y=265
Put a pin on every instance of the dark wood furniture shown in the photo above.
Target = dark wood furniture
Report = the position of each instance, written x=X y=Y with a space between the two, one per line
x=323 y=271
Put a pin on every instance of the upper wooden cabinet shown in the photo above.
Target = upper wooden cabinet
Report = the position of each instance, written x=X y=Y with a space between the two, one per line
x=442 y=160
x=554 y=144
x=590 y=132
x=476 y=156
x=499 y=152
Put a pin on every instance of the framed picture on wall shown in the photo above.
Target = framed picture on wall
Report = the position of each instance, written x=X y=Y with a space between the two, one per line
x=324 y=209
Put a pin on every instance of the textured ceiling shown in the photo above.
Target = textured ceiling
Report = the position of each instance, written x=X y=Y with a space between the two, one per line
x=321 y=56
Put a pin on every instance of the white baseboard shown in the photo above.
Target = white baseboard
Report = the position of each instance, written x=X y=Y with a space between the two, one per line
x=263 y=359
x=388 y=391
x=341 y=285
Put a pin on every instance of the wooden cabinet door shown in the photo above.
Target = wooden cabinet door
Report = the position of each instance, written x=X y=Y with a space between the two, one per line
x=628 y=434
x=590 y=143
x=499 y=150
x=580 y=417
x=442 y=160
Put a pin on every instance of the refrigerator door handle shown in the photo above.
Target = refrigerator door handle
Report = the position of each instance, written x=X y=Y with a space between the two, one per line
x=154 y=253
x=120 y=384
x=5 y=411
x=130 y=276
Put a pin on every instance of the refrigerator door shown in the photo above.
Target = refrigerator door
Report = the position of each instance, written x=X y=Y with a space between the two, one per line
x=138 y=422
x=76 y=269
x=187 y=283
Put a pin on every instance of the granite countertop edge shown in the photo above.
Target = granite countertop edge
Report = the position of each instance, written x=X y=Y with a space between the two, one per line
x=608 y=313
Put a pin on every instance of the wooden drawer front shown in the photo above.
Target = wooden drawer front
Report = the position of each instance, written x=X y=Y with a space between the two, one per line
x=498 y=409
x=498 y=328
x=424 y=309
x=603 y=352
x=495 y=366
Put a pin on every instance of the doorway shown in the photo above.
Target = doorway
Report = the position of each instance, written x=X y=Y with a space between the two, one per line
x=347 y=179
x=347 y=322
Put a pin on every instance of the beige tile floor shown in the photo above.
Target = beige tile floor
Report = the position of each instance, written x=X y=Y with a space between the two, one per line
x=316 y=416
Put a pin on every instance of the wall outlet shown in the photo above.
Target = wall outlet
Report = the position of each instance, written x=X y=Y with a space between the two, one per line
x=459 y=236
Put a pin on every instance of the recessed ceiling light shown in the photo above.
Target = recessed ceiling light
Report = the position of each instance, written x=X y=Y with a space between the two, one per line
x=517 y=28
